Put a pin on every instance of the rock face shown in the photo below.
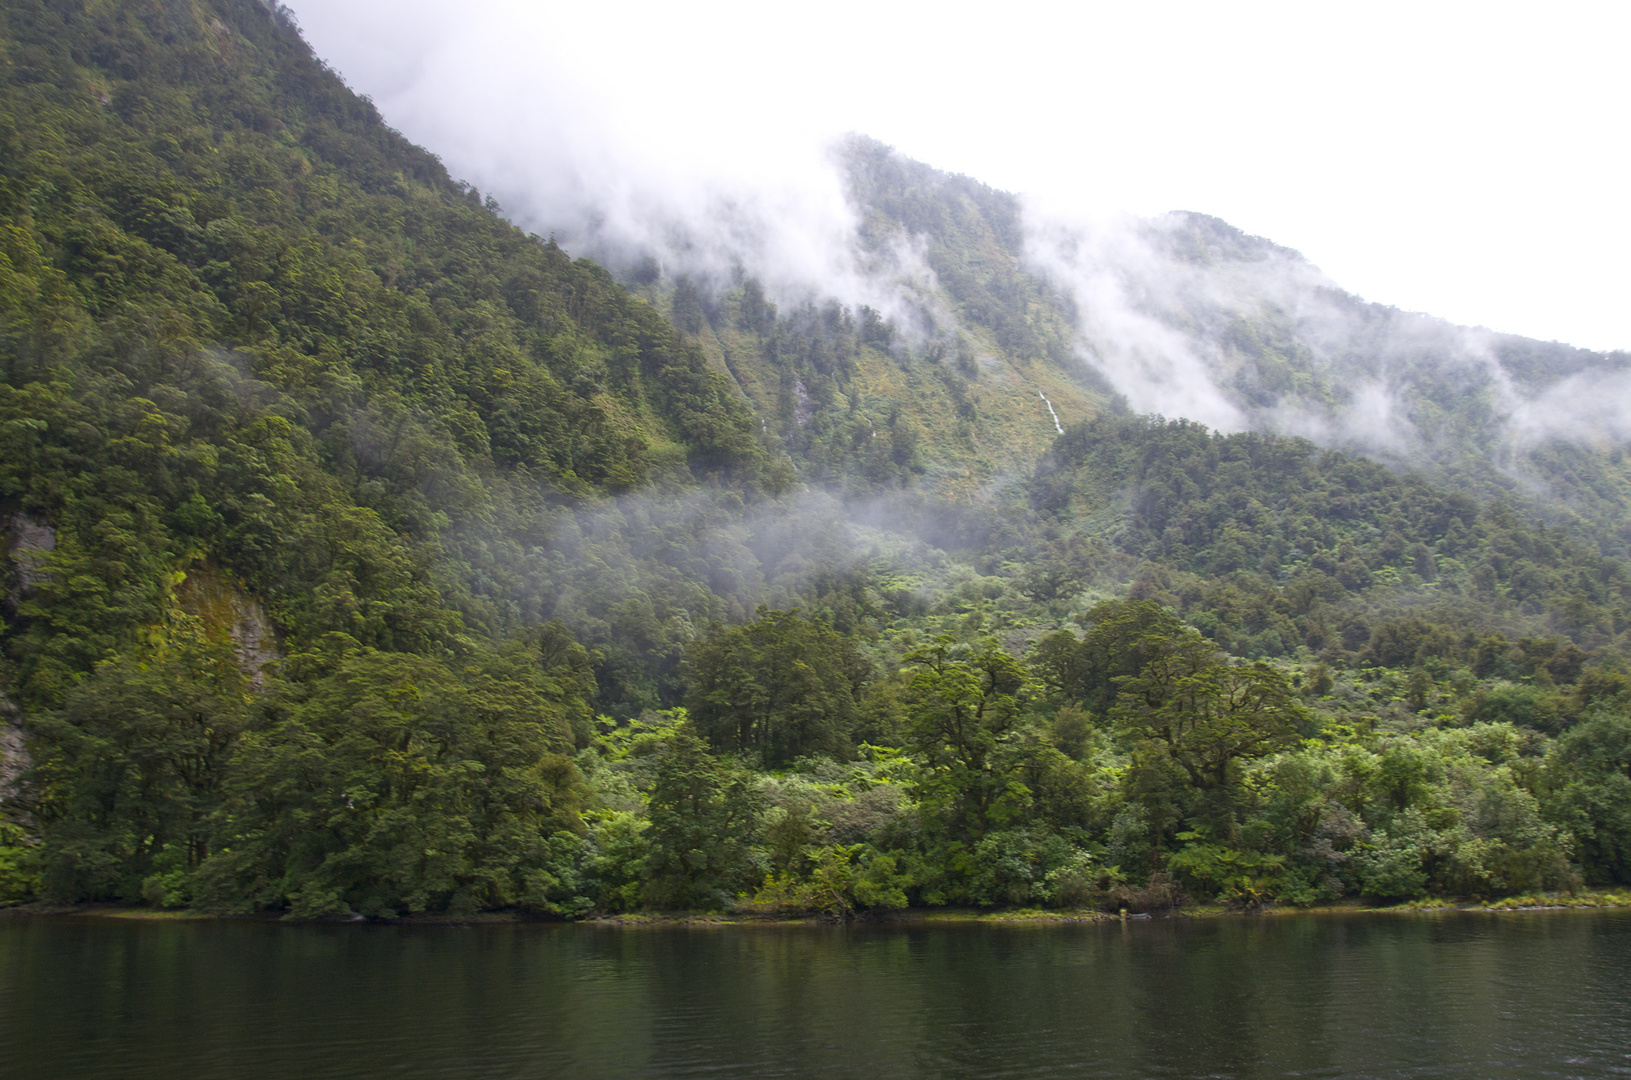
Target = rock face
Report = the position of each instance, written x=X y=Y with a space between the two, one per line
x=227 y=610
x=14 y=759
x=26 y=542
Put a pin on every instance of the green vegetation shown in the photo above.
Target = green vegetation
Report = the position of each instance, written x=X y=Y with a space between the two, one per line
x=366 y=555
x=946 y=395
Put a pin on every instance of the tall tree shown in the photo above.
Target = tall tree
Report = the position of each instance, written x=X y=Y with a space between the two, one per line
x=704 y=828
x=783 y=684
x=1206 y=713
x=131 y=769
x=959 y=710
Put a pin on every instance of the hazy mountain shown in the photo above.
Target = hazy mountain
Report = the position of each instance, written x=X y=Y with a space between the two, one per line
x=987 y=302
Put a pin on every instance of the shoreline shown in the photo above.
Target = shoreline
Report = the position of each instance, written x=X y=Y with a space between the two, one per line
x=911 y=917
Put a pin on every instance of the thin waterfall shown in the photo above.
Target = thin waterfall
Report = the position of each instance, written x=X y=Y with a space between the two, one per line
x=1057 y=426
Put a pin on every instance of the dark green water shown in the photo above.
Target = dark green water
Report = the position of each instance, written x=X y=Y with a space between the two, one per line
x=1460 y=995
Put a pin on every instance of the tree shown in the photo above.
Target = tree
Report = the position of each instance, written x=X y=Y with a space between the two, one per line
x=1589 y=778
x=1062 y=665
x=397 y=783
x=688 y=312
x=783 y=685
x=1205 y=712
x=1086 y=670
x=131 y=770
x=959 y=710
x=704 y=825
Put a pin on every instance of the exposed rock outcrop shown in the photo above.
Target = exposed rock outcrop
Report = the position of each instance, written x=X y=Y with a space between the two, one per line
x=26 y=542
x=14 y=759
x=227 y=610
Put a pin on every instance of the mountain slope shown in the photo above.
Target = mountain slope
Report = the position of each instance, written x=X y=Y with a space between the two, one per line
x=972 y=303
x=223 y=275
x=960 y=381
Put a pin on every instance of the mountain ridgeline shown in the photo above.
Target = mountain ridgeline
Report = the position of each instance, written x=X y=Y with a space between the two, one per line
x=366 y=555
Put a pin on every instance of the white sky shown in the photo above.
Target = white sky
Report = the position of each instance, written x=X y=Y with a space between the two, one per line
x=1468 y=160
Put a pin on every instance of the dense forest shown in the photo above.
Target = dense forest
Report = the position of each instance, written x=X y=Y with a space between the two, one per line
x=366 y=555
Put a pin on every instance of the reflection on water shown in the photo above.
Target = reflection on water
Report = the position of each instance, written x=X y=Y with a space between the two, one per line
x=1455 y=995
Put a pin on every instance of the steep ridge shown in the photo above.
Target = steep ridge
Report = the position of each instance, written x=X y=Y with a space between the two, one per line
x=284 y=328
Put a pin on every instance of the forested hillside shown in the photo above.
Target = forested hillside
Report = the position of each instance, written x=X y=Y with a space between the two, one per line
x=263 y=325
x=367 y=555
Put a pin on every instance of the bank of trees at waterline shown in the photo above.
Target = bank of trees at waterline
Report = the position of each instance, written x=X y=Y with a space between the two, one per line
x=1135 y=764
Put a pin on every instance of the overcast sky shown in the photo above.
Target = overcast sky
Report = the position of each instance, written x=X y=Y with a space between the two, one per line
x=1468 y=160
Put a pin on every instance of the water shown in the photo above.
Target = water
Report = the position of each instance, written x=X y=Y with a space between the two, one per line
x=1455 y=995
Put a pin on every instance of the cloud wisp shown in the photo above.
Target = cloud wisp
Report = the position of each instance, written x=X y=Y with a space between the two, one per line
x=724 y=172
x=1187 y=316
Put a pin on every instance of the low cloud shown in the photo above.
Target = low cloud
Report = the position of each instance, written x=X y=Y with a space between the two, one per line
x=1187 y=316
x=1123 y=293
